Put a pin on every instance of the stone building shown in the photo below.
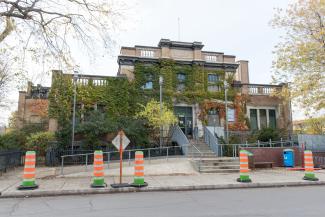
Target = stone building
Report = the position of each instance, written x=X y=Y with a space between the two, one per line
x=33 y=107
x=261 y=106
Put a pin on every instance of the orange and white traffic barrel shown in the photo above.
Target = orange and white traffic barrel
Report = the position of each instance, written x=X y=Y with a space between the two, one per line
x=29 y=172
x=309 y=166
x=139 y=170
x=244 y=170
x=98 y=178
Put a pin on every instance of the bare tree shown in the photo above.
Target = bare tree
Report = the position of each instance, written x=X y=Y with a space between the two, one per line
x=5 y=80
x=48 y=27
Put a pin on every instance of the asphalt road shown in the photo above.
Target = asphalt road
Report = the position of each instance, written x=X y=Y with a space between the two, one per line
x=295 y=202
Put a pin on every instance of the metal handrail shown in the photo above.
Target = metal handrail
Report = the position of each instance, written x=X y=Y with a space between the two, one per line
x=180 y=138
x=211 y=140
x=129 y=155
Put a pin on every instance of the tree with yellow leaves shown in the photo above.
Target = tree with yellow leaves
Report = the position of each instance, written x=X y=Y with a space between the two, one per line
x=300 y=56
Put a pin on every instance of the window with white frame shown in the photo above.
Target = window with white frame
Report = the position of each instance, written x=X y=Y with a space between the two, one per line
x=262 y=117
x=213 y=80
x=147 y=53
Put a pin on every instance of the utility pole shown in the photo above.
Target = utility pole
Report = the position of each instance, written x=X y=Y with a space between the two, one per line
x=161 y=81
x=75 y=78
x=226 y=108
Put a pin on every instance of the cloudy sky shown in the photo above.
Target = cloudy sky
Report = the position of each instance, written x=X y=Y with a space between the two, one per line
x=235 y=27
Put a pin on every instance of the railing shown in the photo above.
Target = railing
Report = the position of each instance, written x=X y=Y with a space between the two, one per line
x=179 y=137
x=149 y=153
x=232 y=150
x=260 y=89
x=211 y=141
x=9 y=159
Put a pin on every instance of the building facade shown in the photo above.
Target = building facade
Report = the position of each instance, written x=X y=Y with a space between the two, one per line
x=252 y=106
x=33 y=107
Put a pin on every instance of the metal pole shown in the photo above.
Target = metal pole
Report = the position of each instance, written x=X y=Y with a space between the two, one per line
x=62 y=164
x=129 y=158
x=86 y=162
x=75 y=77
x=161 y=109
x=226 y=109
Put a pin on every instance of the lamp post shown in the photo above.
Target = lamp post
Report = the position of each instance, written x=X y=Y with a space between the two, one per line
x=75 y=78
x=226 y=108
x=161 y=81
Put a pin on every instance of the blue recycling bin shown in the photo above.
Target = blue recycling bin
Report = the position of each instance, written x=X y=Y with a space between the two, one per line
x=288 y=158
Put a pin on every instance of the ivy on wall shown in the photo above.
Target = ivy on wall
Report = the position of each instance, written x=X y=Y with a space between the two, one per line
x=121 y=98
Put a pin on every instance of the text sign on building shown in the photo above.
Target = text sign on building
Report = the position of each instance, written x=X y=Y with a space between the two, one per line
x=125 y=141
x=231 y=114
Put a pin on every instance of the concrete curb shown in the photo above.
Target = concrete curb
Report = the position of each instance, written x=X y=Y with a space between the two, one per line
x=21 y=194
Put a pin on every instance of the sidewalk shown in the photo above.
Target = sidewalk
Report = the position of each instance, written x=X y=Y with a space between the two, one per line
x=51 y=183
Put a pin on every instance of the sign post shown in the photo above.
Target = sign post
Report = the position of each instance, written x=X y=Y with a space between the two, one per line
x=120 y=142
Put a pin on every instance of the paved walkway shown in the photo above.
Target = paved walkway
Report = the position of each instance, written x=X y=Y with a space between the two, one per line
x=52 y=183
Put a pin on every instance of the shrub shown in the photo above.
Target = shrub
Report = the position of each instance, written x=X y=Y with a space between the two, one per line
x=39 y=142
x=265 y=134
x=13 y=140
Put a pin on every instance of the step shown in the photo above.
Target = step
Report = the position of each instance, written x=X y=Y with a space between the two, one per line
x=219 y=170
x=220 y=167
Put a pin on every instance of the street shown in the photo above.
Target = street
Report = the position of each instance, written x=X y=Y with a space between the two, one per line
x=293 y=201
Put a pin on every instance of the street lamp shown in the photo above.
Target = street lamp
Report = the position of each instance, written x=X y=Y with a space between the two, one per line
x=225 y=84
x=161 y=81
x=75 y=78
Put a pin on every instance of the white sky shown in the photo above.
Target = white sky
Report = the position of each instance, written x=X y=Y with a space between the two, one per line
x=235 y=27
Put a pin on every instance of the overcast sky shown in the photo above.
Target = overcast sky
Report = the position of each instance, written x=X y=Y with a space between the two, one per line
x=235 y=27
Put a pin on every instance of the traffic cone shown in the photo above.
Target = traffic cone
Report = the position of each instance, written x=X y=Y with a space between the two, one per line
x=309 y=166
x=243 y=161
x=98 y=179
x=29 y=172
x=139 y=170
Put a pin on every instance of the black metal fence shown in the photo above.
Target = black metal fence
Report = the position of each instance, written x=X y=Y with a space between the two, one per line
x=10 y=159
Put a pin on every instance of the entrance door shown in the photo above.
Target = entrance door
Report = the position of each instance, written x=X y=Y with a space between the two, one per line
x=185 y=119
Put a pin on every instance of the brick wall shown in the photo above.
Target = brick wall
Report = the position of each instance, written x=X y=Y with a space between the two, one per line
x=274 y=155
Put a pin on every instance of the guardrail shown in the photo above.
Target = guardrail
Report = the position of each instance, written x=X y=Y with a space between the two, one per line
x=149 y=153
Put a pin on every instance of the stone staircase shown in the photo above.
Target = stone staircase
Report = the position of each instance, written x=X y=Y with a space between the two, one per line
x=206 y=161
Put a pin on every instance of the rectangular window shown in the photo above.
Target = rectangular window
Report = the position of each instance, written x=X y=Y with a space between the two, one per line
x=272 y=119
x=212 y=78
x=148 y=85
x=181 y=78
x=263 y=119
x=253 y=119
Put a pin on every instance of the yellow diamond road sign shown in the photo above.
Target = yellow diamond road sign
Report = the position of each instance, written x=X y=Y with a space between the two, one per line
x=125 y=141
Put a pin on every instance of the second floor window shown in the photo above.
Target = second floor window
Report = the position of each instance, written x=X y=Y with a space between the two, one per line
x=212 y=83
x=212 y=78
x=149 y=83
x=181 y=78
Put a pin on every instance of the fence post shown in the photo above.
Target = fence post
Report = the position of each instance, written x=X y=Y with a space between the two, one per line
x=281 y=142
x=129 y=158
x=62 y=163
x=167 y=153
x=270 y=141
x=108 y=158
x=149 y=156
x=258 y=143
x=86 y=162
x=246 y=144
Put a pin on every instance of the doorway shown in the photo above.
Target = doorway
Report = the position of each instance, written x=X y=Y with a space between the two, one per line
x=185 y=119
